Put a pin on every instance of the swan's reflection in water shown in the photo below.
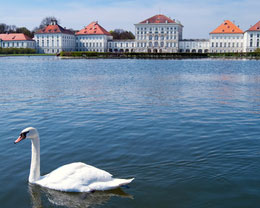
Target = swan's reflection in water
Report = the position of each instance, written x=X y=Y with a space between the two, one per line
x=72 y=200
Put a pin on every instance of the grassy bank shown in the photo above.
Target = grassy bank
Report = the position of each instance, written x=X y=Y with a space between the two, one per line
x=33 y=54
x=12 y=51
x=90 y=55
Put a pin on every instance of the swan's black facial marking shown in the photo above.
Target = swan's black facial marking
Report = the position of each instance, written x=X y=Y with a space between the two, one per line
x=23 y=135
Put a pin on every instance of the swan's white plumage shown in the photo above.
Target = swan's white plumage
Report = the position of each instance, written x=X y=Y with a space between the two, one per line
x=74 y=177
x=79 y=177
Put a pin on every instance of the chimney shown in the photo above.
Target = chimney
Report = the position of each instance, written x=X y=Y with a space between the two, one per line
x=53 y=22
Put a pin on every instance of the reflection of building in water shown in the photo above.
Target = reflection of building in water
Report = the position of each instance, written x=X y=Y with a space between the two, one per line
x=72 y=200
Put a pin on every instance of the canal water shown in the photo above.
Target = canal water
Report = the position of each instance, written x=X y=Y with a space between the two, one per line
x=187 y=130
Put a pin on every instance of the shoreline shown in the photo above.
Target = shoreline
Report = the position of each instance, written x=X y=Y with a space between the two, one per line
x=159 y=56
x=104 y=55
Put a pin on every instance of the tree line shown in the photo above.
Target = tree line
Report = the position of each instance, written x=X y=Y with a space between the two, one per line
x=118 y=34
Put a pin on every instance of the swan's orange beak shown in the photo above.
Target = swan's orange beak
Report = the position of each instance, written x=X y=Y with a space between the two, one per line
x=20 y=138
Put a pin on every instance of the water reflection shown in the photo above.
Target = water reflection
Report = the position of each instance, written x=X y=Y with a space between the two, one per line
x=72 y=200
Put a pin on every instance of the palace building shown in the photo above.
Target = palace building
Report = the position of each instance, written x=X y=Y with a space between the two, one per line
x=16 y=40
x=157 y=34
x=54 y=39
x=226 y=38
x=93 y=38
x=251 y=38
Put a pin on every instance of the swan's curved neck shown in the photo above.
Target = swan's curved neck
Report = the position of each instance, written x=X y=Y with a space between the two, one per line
x=35 y=160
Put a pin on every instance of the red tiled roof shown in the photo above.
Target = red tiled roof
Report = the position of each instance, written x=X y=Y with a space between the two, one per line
x=93 y=29
x=54 y=29
x=14 y=37
x=256 y=27
x=227 y=28
x=158 y=19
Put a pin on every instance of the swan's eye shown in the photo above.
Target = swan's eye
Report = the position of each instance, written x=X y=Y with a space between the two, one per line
x=23 y=135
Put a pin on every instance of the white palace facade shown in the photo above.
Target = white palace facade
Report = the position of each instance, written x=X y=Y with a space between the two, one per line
x=157 y=34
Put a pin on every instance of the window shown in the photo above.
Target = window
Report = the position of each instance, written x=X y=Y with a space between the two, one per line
x=156 y=37
x=162 y=44
x=150 y=44
x=212 y=45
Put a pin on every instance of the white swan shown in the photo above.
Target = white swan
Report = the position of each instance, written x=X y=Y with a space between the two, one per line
x=74 y=177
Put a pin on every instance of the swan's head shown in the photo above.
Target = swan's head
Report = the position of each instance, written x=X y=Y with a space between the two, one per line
x=29 y=132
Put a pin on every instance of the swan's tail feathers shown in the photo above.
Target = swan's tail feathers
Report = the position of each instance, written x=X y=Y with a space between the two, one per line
x=113 y=184
x=123 y=182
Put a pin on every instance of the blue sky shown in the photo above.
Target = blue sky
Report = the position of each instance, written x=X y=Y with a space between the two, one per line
x=198 y=17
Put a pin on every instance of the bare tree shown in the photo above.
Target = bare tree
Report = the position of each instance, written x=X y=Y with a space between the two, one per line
x=45 y=22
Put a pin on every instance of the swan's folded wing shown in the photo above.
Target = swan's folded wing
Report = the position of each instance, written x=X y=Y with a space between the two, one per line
x=74 y=177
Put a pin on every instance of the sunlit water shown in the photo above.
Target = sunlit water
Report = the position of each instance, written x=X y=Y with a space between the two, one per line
x=187 y=130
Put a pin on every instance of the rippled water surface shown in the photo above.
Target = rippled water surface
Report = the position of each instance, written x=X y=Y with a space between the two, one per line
x=187 y=130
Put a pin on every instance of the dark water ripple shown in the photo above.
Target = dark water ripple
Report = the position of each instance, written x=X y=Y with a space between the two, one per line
x=188 y=131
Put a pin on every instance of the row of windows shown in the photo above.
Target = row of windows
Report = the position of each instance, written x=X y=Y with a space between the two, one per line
x=89 y=38
x=156 y=28
x=256 y=35
x=227 y=37
x=226 y=45
x=18 y=44
x=89 y=45
x=95 y=50
x=157 y=44
x=69 y=37
x=226 y=51
x=156 y=32
x=156 y=37
x=122 y=45
x=48 y=43
x=194 y=45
